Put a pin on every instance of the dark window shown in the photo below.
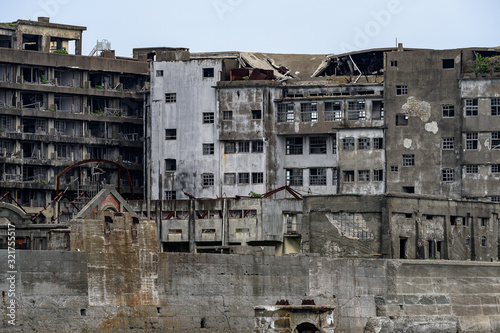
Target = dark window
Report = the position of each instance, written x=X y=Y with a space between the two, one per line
x=317 y=176
x=495 y=140
x=495 y=168
x=471 y=140
x=364 y=175
x=333 y=111
x=401 y=119
x=229 y=178
x=348 y=176
x=208 y=149
x=208 y=72
x=334 y=144
x=448 y=63
x=483 y=241
x=170 y=98
x=348 y=144
x=378 y=109
x=208 y=117
x=170 y=165
x=401 y=90
x=408 y=189
x=230 y=148
x=159 y=73
x=244 y=147
x=227 y=115
x=294 y=146
x=471 y=107
x=483 y=221
x=256 y=114
x=378 y=175
x=294 y=177
x=356 y=110
x=257 y=177
x=495 y=106
x=309 y=112
x=170 y=134
x=257 y=147
x=448 y=143
x=393 y=63
x=207 y=179
x=378 y=143
x=448 y=175
x=317 y=145
x=448 y=111
x=471 y=168
x=408 y=160
x=244 y=178
x=394 y=168
x=364 y=143
x=285 y=113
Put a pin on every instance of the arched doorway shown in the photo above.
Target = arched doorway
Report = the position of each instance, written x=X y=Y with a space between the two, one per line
x=307 y=328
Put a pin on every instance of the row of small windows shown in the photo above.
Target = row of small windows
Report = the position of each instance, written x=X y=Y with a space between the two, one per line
x=363 y=143
x=228 y=115
x=355 y=110
x=446 y=63
x=474 y=168
x=232 y=147
x=471 y=108
x=348 y=176
x=317 y=177
x=243 y=178
x=207 y=72
x=471 y=141
x=317 y=145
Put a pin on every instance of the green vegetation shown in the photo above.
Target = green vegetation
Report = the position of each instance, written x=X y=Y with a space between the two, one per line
x=44 y=79
x=8 y=25
x=97 y=112
x=254 y=195
x=485 y=64
x=98 y=87
x=60 y=51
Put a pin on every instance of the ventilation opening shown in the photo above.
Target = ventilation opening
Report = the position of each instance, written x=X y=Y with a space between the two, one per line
x=203 y=323
x=408 y=189
x=83 y=312
x=402 y=247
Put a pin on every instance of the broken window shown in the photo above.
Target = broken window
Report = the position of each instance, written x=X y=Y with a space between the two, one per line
x=170 y=134
x=483 y=221
x=244 y=178
x=448 y=63
x=348 y=144
x=229 y=178
x=471 y=107
x=170 y=97
x=6 y=148
x=208 y=72
x=448 y=143
x=294 y=146
x=471 y=140
x=257 y=177
x=33 y=150
x=495 y=106
x=38 y=126
x=99 y=80
x=99 y=152
x=448 y=110
x=356 y=110
x=32 y=42
x=495 y=168
x=333 y=111
x=317 y=176
x=32 y=100
x=408 y=160
x=471 y=168
x=364 y=175
x=97 y=129
x=159 y=73
x=227 y=115
x=208 y=117
x=285 y=113
x=495 y=140
x=334 y=144
x=207 y=179
x=208 y=148
x=378 y=175
x=256 y=114
x=6 y=123
x=378 y=109
x=348 y=176
x=495 y=199
x=34 y=75
x=63 y=152
x=131 y=155
x=244 y=147
x=401 y=119
x=317 y=145
x=378 y=143
x=364 y=143
x=6 y=41
x=448 y=175
x=170 y=165
x=402 y=90
x=294 y=177
x=229 y=147
x=309 y=112
x=170 y=195
x=257 y=147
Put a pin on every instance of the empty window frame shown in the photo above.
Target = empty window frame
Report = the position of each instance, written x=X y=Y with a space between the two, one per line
x=170 y=97
x=333 y=111
x=317 y=176
x=230 y=147
x=257 y=177
x=495 y=106
x=256 y=114
x=448 y=110
x=378 y=110
x=227 y=115
x=170 y=195
x=229 y=178
x=285 y=113
x=170 y=134
x=348 y=176
x=364 y=143
x=356 y=110
x=208 y=148
x=448 y=175
x=243 y=178
x=495 y=140
x=334 y=176
x=257 y=146
x=378 y=175
x=170 y=165
x=348 y=144
x=495 y=168
x=364 y=175
x=317 y=145
x=378 y=143
x=294 y=177
x=207 y=179
x=448 y=63
x=484 y=242
x=471 y=107
x=408 y=160
x=448 y=143
x=402 y=90
x=471 y=168
x=309 y=112
x=208 y=72
x=483 y=221
x=243 y=146
x=471 y=140
x=159 y=73
x=401 y=119
x=334 y=144
x=294 y=146
x=394 y=168
x=208 y=117
x=393 y=63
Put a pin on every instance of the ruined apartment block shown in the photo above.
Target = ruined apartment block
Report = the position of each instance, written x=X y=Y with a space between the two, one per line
x=58 y=107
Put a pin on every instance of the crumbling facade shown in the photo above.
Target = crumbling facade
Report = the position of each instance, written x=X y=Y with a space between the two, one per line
x=58 y=107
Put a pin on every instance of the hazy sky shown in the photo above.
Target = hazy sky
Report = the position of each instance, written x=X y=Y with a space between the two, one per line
x=274 y=26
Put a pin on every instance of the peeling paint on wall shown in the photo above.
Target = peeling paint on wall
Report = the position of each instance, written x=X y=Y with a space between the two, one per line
x=407 y=143
x=415 y=108
x=432 y=127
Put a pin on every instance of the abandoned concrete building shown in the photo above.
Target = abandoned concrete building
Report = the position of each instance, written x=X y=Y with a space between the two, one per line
x=58 y=108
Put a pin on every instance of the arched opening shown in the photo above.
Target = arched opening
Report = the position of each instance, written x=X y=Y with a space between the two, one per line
x=307 y=328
